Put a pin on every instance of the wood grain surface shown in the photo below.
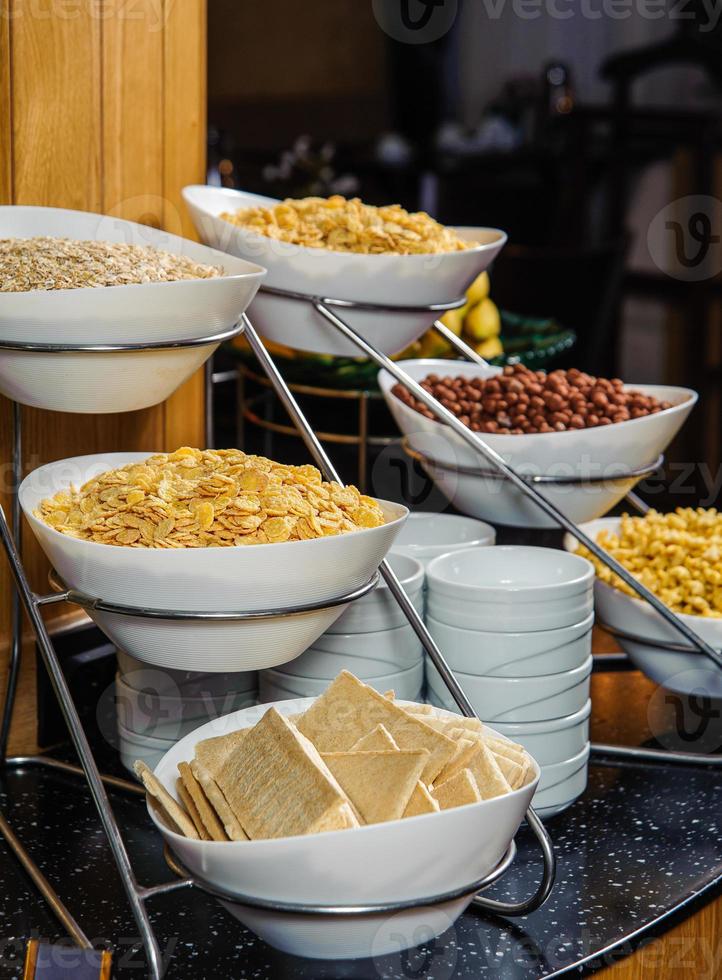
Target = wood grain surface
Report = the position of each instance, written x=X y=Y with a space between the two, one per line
x=99 y=113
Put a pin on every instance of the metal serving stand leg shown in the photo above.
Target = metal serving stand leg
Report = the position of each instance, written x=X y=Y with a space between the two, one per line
x=136 y=893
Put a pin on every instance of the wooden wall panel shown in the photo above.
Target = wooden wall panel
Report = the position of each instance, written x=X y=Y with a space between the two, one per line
x=101 y=114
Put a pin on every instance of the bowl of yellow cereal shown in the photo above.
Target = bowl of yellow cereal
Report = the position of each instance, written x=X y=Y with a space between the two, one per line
x=346 y=250
x=678 y=556
x=207 y=531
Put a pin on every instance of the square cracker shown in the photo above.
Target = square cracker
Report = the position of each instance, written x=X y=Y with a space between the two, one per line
x=211 y=753
x=349 y=709
x=421 y=801
x=277 y=785
x=377 y=739
x=490 y=780
x=179 y=818
x=218 y=801
x=513 y=772
x=379 y=784
x=207 y=814
x=457 y=791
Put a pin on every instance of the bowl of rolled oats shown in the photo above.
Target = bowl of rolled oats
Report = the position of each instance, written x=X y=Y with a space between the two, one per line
x=678 y=556
x=346 y=250
x=74 y=278
x=207 y=531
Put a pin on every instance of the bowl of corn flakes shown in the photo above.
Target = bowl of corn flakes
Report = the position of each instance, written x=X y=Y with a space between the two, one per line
x=349 y=251
x=210 y=531
x=678 y=556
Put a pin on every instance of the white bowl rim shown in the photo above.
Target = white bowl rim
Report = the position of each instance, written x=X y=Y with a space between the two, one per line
x=580 y=757
x=581 y=672
x=367 y=680
x=413 y=582
x=266 y=201
x=436 y=568
x=494 y=637
x=182 y=700
x=258 y=271
x=690 y=400
x=268 y=844
x=550 y=724
x=250 y=548
x=149 y=741
x=486 y=531
x=340 y=637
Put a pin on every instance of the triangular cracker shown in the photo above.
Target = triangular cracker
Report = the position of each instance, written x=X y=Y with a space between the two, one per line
x=278 y=786
x=205 y=811
x=174 y=810
x=457 y=791
x=421 y=801
x=513 y=772
x=219 y=803
x=378 y=739
x=379 y=784
x=485 y=770
x=349 y=709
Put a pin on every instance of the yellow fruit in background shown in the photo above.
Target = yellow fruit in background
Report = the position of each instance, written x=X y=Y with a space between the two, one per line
x=483 y=321
x=432 y=345
x=454 y=319
x=479 y=289
x=489 y=348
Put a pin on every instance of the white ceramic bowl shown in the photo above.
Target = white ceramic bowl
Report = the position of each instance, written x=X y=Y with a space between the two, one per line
x=132 y=746
x=277 y=685
x=379 y=610
x=605 y=451
x=513 y=654
x=518 y=698
x=364 y=654
x=395 y=861
x=393 y=280
x=509 y=588
x=206 y=580
x=426 y=536
x=554 y=740
x=684 y=671
x=106 y=381
x=561 y=784
x=145 y=712
x=183 y=683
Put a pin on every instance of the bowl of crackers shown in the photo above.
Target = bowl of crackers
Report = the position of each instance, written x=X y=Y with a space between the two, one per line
x=349 y=251
x=351 y=798
x=75 y=278
x=678 y=557
x=268 y=551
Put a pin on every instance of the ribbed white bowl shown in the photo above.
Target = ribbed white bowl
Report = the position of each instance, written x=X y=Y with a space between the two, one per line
x=364 y=654
x=518 y=698
x=379 y=610
x=277 y=685
x=554 y=740
x=426 y=536
x=400 y=860
x=146 y=312
x=393 y=280
x=561 y=784
x=183 y=683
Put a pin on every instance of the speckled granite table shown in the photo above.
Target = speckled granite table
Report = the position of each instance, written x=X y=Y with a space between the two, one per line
x=642 y=843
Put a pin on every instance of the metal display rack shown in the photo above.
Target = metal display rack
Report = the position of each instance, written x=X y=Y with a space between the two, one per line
x=33 y=603
x=138 y=894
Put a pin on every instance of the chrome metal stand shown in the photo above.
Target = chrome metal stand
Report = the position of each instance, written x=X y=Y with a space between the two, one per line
x=136 y=893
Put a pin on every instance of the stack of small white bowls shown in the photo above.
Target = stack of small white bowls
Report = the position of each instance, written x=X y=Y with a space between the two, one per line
x=514 y=624
x=371 y=638
x=156 y=706
x=427 y=536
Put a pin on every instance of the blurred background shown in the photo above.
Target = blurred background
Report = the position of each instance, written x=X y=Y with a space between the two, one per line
x=589 y=132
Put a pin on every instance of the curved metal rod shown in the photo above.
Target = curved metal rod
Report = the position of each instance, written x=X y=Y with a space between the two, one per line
x=341 y=910
x=129 y=347
x=140 y=612
x=545 y=886
x=475 y=442
x=540 y=478
x=347 y=304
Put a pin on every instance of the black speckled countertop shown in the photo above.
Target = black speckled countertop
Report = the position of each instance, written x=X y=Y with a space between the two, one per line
x=641 y=845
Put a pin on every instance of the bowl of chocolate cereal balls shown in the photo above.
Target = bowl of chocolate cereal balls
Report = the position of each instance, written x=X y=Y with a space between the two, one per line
x=586 y=440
